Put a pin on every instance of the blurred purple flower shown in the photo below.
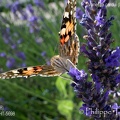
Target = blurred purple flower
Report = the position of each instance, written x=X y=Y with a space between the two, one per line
x=15 y=6
x=33 y=19
x=19 y=41
x=33 y=24
x=13 y=46
x=10 y=62
x=31 y=29
x=6 y=35
x=17 y=10
x=23 y=64
x=2 y=54
x=24 y=15
x=79 y=14
x=39 y=3
x=30 y=9
x=21 y=55
x=43 y=53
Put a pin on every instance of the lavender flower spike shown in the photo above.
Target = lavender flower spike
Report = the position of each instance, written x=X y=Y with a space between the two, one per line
x=103 y=64
x=98 y=44
x=94 y=98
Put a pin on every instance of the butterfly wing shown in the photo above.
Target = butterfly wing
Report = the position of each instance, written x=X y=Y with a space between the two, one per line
x=68 y=49
x=42 y=70
x=69 y=42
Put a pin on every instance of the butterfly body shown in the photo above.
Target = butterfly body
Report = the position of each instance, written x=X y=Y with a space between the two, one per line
x=68 y=50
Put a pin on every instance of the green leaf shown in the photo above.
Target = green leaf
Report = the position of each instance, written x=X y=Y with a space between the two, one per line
x=61 y=86
x=65 y=108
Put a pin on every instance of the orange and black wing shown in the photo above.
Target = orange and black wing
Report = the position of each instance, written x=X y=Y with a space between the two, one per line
x=42 y=70
x=69 y=41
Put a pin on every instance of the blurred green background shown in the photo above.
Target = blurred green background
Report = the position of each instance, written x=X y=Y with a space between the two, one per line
x=29 y=36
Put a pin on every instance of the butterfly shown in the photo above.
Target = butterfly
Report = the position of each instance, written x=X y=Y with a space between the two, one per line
x=68 y=50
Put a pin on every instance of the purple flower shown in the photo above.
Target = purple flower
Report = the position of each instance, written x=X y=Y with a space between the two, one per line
x=100 y=16
x=19 y=41
x=116 y=107
x=98 y=43
x=23 y=64
x=6 y=35
x=39 y=3
x=116 y=110
x=15 y=6
x=13 y=46
x=10 y=62
x=17 y=9
x=79 y=14
x=113 y=60
x=103 y=63
x=117 y=79
x=103 y=2
x=30 y=9
x=33 y=19
x=23 y=15
x=78 y=75
x=2 y=54
x=43 y=53
x=92 y=95
x=33 y=24
x=21 y=55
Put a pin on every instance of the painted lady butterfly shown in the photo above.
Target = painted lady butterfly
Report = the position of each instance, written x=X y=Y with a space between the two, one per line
x=68 y=50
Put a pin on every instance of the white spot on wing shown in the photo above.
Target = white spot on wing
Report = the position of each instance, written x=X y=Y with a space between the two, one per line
x=29 y=68
x=63 y=31
x=15 y=71
x=66 y=14
x=13 y=77
x=32 y=75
